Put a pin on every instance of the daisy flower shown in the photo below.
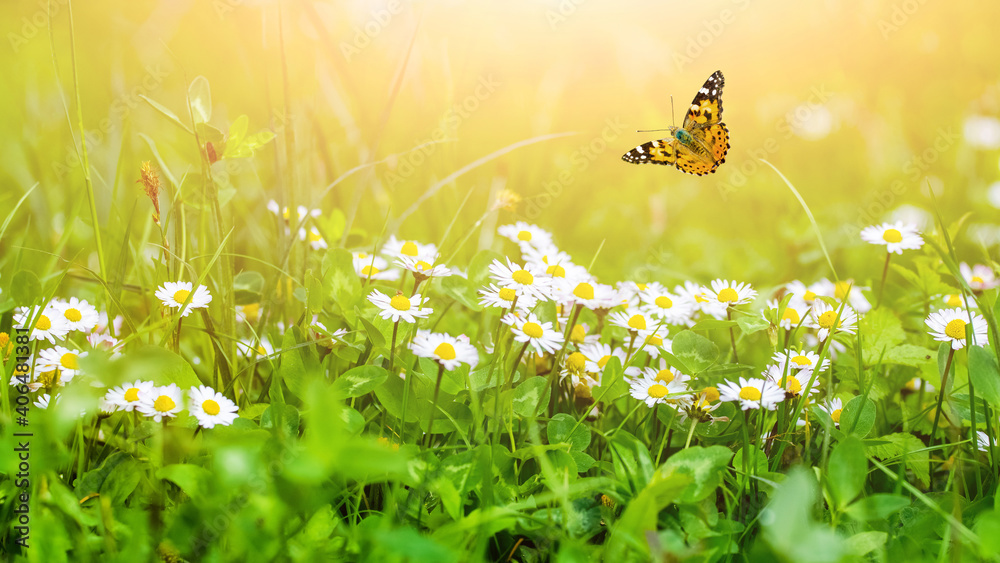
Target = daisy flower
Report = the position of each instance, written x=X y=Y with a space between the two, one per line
x=598 y=355
x=504 y=297
x=635 y=321
x=699 y=407
x=102 y=323
x=673 y=380
x=823 y=317
x=731 y=293
x=448 y=351
x=315 y=238
x=833 y=407
x=399 y=248
x=104 y=342
x=160 y=402
x=422 y=268
x=803 y=296
x=580 y=335
x=957 y=300
x=590 y=294
x=49 y=323
x=525 y=281
x=211 y=408
x=649 y=390
x=545 y=255
x=283 y=212
x=370 y=266
x=78 y=314
x=65 y=360
x=526 y=234
x=752 y=393
x=540 y=336
x=44 y=400
x=662 y=304
x=914 y=384
x=791 y=317
x=249 y=347
x=983 y=441
x=948 y=325
x=795 y=380
x=248 y=313
x=174 y=294
x=697 y=296
x=128 y=396
x=979 y=277
x=896 y=237
x=799 y=360
x=399 y=307
x=844 y=288
x=656 y=341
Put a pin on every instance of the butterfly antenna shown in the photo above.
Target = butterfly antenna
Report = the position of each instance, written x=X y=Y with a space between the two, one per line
x=673 y=120
x=650 y=130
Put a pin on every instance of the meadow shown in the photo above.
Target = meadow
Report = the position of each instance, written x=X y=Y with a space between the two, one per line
x=315 y=281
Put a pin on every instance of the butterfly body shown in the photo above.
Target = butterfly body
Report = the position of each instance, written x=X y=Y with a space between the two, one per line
x=700 y=145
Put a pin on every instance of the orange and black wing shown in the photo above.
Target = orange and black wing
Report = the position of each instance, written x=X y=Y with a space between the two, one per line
x=661 y=151
x=706 y=108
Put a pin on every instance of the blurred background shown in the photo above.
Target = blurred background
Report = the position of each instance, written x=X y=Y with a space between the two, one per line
x=862 y=105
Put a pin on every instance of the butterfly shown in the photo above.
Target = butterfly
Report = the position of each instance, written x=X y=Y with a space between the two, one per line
x=700 y=145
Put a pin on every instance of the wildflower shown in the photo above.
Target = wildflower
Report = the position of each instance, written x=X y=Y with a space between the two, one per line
x=983 y=441
x=65 y=360
x=370 y=266
x=211 y=408
x=151 y=185
x=896 y=237
x=948 y=325
x=598 y=355
x=635 y=321
x=49 y=323
x=671 y=378
x=752 y=393
x=698 y=297
x=248 y=313
x=791 y=317
x=78 y=314
x=650 y=390
x=505 y=297
x=656 y=342
x=731 y=293
x=834 y=407
x=803 y=297
x=174 y=294
x=315 y=238
x=507 y=200
x=662 y=304
x=262 y=347
x=526 y=234
x=700 y=407
x=540 y=336
x=589 y=294
x=956 y=300
x=823 y=317
x=794 y=380
x=400 y=307
x=914 y=384
x=422 y=269
x=799 y=360
x=302 y=210
x=411 y=248
x=44 y=400
x=128 y=396
x=160 y=402
x=524 y=281
x=979 y=277
x=448 y=351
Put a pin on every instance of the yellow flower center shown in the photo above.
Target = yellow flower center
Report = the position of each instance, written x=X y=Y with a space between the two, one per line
x=728 y=295
x=369 y=271
x=132 y=395
x=556 y=271
x=523 y=277
x=835 y=415
x=210 y=407
x=578 y=334
x=665 y=375
x=791 y=315
x=250 y=311
x=314 y=236
x=827 y=320
x=69 y=360
x=400 y=303
x=445 y=351
x=793 y=385
x=954 y=300
x=663 y=302
x=534 y=330
x=654 y=340
x=408 y=249
x=637 y=322
x=840 y=290
x=181 y=295
x=164 y=403
x=892 y=235
x=507 y=294
x=956 y=329
x=576 y=361
x=976 y=279
x=74 y=315
x=603 y=361
x=809 y=296
x=260 y=350
x=641 y=286
x=43 y=323
x=362 y=255
x=421 y=265
x=700 y=298
x=801 y=360
x=711 y=394
x=524 y=235
x=656 y=391
x=584 y=291
x=750 y=393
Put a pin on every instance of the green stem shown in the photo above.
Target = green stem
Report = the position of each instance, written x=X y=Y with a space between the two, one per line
x=944 y=382
x=732 y=335
x=885 y=273
x=437 y=389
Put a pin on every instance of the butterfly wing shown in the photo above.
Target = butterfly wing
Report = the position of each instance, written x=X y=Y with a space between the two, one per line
x=706 y=108
x=661 y=151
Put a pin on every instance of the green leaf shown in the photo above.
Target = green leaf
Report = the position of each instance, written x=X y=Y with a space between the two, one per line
x=988 y=529
x=909 y=355
x=94 y=479
x=631 y=460
x=903 y=443
x=881 y=331
x=984 y=374
x=461 y=290
x=121 y=481
x=863 y=543
x=704 y=465
x=340 y=279
x=200 y=95
x=479 y=267
x=695 y=351
x=159 y=365
x=166 y=112
x=314 y=292
x=194 y=480
x=248 y=287
x=530 y=395
x=629 y=534
x=299 y=363
x=789 y=527
x=847 y=470
x=360 y=381
x=289 y=419
x=564 y=428
x=750 y=324
x=25 y=288
x=237 y=132
x=713 y=324
x=613 y=384
x=858 y=418
x=877 y=507
x=390 y=395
